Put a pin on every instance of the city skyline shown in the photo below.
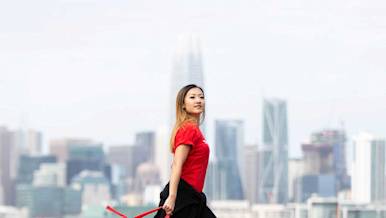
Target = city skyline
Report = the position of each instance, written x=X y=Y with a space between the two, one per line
x=78 y=69
x=78 y=172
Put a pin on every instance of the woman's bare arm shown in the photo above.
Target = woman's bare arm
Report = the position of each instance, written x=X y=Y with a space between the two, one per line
x=179 y=158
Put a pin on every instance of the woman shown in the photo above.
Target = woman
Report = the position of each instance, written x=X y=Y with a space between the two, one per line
x=182 y=197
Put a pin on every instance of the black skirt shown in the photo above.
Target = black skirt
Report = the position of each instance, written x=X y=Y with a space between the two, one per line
x=189 y=203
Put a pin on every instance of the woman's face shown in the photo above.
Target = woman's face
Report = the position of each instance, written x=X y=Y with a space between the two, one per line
x=194 y=102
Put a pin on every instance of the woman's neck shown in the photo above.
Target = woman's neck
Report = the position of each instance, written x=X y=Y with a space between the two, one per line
x=192 y=119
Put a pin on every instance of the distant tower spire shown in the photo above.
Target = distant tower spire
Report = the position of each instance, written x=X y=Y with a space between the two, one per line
x=187 y=67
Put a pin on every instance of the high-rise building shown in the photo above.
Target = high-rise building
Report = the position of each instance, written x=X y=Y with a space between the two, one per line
x=368 y=178
x=26 y=142
x=187 y=69
x=145 y=142
x=124 y=157
x=94 y=185
x=163 y=155
x=72 y=200
x=42 y=188
x=334 y=140
x=92 y=151
x=29 y=141
x=48 y=201
x=29 y=164
x=13 y=144
x=125 y=160
x=324 y=164
x=274 y=162
x=50 y=174
x=86 y=157
x=120 y=183
x=252 y=174
x=295 y=171
x=228 y=170
x=60 y=147
x=322 y=185
x=318 y=158
x=147 y=175
x=36 y=200
x=6 y=158
x=275 y=130
x=79 y=155
x=210 y=187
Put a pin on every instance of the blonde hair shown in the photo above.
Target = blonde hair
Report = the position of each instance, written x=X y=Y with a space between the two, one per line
x=181 y=115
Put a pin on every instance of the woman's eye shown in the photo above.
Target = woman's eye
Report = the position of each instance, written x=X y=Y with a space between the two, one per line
x=202 y=97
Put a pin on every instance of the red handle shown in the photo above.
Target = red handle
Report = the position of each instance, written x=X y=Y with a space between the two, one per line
x=116 y=212
x=149 y=212
x=109 y=208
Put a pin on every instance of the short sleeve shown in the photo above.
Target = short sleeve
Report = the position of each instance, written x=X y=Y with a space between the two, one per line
x=186 y=135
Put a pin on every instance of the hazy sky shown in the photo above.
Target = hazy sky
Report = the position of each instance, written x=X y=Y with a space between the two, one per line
x=101 y=69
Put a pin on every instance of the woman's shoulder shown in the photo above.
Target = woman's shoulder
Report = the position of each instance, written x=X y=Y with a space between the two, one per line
x=189 y=125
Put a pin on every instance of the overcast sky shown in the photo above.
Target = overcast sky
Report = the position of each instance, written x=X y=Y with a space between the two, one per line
x=101 y=69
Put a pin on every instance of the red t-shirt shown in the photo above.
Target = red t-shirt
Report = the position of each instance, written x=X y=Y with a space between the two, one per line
x=194 y=168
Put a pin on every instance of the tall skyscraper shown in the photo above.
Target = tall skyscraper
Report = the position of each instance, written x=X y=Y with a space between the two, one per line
x=274 y=164
x=334 y=140
x=368 y=178
x=187 y=68
x=228 y=170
